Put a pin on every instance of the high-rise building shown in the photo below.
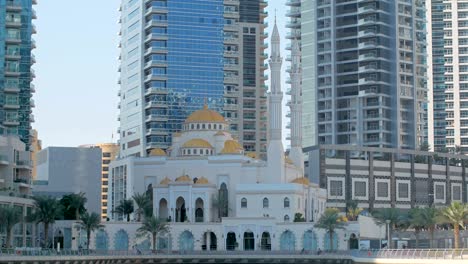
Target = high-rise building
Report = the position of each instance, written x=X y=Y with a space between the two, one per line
x=36 y=146
x=364 y=71
x=448 y=74
x=109 y=153
x=16 y=59
x=177 y=56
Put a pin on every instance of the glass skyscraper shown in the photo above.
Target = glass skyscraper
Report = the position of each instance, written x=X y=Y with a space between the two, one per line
x=179 y=55
x=16 y=59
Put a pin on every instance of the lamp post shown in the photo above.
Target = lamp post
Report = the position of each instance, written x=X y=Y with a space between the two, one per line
x=388 y=234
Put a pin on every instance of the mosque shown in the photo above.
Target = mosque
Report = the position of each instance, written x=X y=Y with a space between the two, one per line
x=215 y=196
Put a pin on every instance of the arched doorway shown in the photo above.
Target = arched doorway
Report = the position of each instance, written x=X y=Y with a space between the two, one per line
x=231 y=241
x=310 y=241
x=249 y=241
x=181 y=212
x=199 y=216
x=265 y=243
x=222 y=201
x=186 y=242
x=353 y=241
x=287 y=241
x=102 y=240
x=163 y=241
x=209 y=241
x=163 y=212
x=121 y=240
x=326 y=241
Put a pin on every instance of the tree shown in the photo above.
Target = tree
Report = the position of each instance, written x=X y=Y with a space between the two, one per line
x=417 y=222
x=9 y=217
x=143 y=203
x=352 y=210
x=47 y=210
x=153 y=226
x=125 y=208
x=331 y=221
x=298 y=217
x=392 y=215
x=73 y=205
x=429 y=216
x=457 y=215
x=90 y=222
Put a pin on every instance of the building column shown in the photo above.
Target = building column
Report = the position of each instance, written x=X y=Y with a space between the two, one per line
x=371 y=181
x=208 y=241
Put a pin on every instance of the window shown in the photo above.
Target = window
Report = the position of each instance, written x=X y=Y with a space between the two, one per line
x=439 y=192
x=286 y=218
x=106 y=154
x=382 y=189
x=456 y=193
x=336 y=188
x=286 y=202
x=403 y=190
x=360 y=189
x=266 y=203
x=244 y=203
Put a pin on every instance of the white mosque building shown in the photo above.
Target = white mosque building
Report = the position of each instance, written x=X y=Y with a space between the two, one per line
x=217 y=197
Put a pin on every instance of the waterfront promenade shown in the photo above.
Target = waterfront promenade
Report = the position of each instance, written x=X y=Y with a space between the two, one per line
x=408 y=256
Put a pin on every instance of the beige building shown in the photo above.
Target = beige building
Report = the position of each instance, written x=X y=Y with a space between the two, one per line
x=109 y=153
x=36 y=146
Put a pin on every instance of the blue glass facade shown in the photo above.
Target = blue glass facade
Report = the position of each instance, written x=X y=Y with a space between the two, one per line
x=187 y=39
x=15 y=66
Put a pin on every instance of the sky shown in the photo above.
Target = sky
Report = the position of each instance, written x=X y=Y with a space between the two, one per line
x=77 y=61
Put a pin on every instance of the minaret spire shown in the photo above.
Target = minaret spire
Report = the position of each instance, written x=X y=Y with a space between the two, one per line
x=296 y=154
x=275 y=152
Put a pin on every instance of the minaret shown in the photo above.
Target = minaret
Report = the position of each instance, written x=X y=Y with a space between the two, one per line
x=296 y=154
x=275 y=152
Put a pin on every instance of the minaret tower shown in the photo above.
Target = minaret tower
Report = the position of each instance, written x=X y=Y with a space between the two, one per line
x=295 y=153
x=275 y=152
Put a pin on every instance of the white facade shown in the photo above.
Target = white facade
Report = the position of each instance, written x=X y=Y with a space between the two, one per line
x=66 y=170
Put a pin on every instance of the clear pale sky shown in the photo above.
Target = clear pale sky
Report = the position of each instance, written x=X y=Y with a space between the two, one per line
x=76 y=85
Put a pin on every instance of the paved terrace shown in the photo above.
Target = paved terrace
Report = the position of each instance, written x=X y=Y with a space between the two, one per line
x=277 y=257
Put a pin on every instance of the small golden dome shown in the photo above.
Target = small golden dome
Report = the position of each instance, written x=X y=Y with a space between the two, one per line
x=165 y=181
x=197 y=143
x=303 y=181
x=183 y=178
x=252 y=155
x=205 y=115
x=157 y=152
x=288 y=160
x=202 y=180
x=220 y=133
x=232 y=147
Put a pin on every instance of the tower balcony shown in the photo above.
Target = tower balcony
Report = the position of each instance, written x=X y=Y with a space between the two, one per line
x=293 y=2
x=14 y=6
x=156 y=105
x=231 y=2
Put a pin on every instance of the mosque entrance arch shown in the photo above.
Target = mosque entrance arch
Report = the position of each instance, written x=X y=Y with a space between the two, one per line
x=181 y=212
x=249 y=241
x=199 y=214
x=163 y=212
x=353 y=242
x=231 y=241
x=265 y=243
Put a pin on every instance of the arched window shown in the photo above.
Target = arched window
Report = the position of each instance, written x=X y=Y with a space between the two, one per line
x=286 y=218
x=198 y=126
x=195 y=151
x=243 y=203
x=266 y=203
x=286 y=202
x=203 y=126
x=193 y=126
x=223 y=200
x=189 y=152
x=214 y=126
x=209 y=126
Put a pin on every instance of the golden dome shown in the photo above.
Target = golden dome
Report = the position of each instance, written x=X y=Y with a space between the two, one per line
x=205 y=115
x=202 y=180
x=302 y=180
x=165 y=181
x=232 y=147
x=197 y=143
x=183 y=178
x=252 y=155
x=157 y=152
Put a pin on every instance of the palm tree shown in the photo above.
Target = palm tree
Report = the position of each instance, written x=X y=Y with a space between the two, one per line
x=331 y=221
x=153 y=226
x=392 y=215
x=429 y=216
x=457 y=215
x=352 y=210
x=125 y=208
x=9 y=217
x=416 y=221
x=90 y=222
x=144 y=205
x=77 y=202
x=47 y=209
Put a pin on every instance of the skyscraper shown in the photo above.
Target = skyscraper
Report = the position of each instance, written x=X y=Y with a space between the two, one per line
x=448 y=74
x=364 y=72
x=177 y=56
x=16 y=59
